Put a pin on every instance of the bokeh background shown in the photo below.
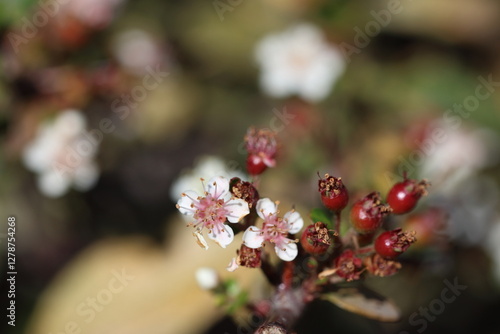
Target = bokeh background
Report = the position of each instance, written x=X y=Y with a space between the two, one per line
x=169 y=89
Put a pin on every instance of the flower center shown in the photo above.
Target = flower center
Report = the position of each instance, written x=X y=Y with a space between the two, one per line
x=275 y=229
x=210 y=212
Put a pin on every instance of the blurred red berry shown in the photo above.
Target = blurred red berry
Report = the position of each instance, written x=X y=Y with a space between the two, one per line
x=262 y=147
x=429 y=225
x=255 y=165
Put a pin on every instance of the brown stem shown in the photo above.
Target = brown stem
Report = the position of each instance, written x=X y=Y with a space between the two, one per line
x=337 y=240
x=364 y=250
x=270 y=272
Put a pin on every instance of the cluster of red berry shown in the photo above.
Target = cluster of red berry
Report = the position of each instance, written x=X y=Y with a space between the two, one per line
x=378 y=250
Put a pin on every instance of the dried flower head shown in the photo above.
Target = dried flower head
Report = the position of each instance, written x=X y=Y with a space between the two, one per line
x=348 y=266
x=378 y=266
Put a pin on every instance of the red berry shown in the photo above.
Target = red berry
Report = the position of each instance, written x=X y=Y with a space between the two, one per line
x=390 y=244
x=403 y=196
x=255 y=165
x=367 y=213
x=333 y=193
x=315 y=239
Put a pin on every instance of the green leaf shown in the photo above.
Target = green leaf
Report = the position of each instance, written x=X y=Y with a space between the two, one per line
x=321 y=215
x=238 y=302
x=232 y=287
x=365 y=302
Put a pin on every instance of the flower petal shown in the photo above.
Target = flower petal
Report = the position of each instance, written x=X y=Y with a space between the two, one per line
x=287 y=251
x=236 y=210
x=233 y=265
x=200 y=240
x=218 y=187
x=223 y=235
x=266 y=207
x=294 y=220
x=253 y=237
x=268 y=161
x=187 y=203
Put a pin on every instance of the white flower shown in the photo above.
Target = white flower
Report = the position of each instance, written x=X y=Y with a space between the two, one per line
x=299 y=61
x=275 y=230
x=204 y=168
x=212 y=211
x=62 y=155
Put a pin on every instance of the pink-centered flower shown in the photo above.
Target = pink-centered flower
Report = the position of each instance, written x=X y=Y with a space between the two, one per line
x=212 y=210
x=275 y=230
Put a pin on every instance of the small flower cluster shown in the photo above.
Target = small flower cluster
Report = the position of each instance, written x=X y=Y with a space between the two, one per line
x=62 y=155
x=327 y=256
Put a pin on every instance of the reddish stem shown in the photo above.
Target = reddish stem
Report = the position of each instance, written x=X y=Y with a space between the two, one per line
x=364 y=250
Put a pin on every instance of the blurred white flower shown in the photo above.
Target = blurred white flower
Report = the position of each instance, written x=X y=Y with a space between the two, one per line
x=458 y=157
x=205 y=168
x=207 y=278
x=62 y=154
x=299 y=61
x=95 y=13
x=471 y=209
x=136 y=49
